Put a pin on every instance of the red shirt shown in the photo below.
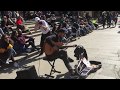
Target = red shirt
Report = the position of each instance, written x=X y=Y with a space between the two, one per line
x=19 y=22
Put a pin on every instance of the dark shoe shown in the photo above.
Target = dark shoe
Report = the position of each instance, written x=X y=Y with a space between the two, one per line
x=71 y=60
x=37 y=48
x=72 y=72
x=33 y=49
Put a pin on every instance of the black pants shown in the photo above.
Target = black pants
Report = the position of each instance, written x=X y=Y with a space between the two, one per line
x=7 y=30
x=7 y=55
x=103 y=23
x=115 y=20
x=43 y=37
x=31 y=42
x=62 y=55
x=108 y=22
x=19 y=48
x=22 y=27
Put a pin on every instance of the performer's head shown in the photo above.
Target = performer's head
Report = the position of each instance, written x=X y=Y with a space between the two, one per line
x=61 y=32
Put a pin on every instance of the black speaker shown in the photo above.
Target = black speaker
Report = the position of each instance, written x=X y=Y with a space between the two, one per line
x=27 y=73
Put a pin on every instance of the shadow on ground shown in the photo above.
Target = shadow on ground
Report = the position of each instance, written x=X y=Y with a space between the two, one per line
x=32 y=27
x=118 y=31
x=22 y=62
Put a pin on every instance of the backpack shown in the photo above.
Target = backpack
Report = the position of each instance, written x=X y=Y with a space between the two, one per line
x=80 y=50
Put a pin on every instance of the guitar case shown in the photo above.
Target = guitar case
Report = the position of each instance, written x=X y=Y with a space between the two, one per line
x=82 y=71
x=84 y=67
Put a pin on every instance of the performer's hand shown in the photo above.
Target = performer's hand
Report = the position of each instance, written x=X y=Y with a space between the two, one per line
x=60 y=44
x=44 y=27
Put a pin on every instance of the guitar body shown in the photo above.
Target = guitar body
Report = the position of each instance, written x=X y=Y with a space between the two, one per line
x=49 y=50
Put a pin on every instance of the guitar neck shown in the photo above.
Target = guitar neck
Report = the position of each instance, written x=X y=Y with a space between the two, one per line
x=67 y=46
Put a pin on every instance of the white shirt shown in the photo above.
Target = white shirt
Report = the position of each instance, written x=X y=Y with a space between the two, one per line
x=44 y=23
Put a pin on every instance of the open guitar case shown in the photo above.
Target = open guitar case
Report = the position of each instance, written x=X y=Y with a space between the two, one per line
x=82 y=71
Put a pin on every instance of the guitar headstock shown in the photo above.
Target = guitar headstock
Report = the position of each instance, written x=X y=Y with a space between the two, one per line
x=75 y=45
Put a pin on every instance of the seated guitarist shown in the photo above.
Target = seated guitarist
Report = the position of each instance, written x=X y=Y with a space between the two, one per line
x=52 y=51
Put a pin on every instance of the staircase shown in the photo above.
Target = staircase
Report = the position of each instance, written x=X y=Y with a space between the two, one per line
x=36 y=34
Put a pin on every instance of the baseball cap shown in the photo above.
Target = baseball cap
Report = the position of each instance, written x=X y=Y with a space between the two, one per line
x=37 y=19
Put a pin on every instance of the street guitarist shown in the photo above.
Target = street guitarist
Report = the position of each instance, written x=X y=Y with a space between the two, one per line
x=52 y=49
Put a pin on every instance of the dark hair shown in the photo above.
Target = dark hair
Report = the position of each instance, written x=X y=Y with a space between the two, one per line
x=61 y=31
x=64 y=24
x=14 y=32
x=5 y=40
x=7 y=16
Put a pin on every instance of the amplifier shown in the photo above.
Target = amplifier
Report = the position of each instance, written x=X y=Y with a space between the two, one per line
x=27 y=73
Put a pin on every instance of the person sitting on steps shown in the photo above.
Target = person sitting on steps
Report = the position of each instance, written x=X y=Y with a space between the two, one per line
x=6 y=51
x=25 y=41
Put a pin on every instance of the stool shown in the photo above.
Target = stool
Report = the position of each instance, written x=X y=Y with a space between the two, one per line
x=52 y=63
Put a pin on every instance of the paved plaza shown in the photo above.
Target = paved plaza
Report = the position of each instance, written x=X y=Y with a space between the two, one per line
x=101 y=45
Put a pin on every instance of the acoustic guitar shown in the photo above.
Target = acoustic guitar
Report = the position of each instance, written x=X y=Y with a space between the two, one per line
x=49 y=50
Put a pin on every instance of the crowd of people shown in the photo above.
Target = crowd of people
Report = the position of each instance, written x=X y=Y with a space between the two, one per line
x=108 y=18
x=59 y=27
